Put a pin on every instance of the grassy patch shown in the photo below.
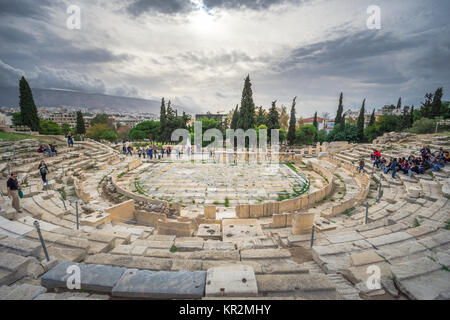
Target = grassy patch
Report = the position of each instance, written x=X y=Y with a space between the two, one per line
x=416 y=223
x=348 y=212
x=120 y=175
x=138 y=187
x=447 y=225
x=63 y=193
x=173 y=249
x=227 y=202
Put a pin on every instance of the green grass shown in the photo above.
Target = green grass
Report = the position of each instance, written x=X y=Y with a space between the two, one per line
x=15 y=136
x=447 y=225
x=173 y=249
x=120 y=175
x=416 y=223
x=138 y=187
x=348 y=212
x=62 y=191
x=227 y=202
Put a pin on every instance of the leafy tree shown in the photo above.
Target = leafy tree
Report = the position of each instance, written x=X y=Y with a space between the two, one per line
x=284 y=118
x=339 y=116
x=411 y=116
x=360 y=123
x=260 y=116
x=305 y=135
x=123 y=132
x=445 y=109
x=350 y=133
x=103 y=118
x=292 y=124
x=321 y=136
x=247 y=111
x=49 y=128
x=426 y=108
x=436 y=104
x=66 y=128
x=406 y=123
x=146 y=130
x=80 y=128
x=28 y=110
x=101 y=131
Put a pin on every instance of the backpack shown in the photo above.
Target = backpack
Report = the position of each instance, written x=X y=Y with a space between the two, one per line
x=43 y=170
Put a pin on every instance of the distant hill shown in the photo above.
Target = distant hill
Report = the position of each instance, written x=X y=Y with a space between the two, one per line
x=9 y=97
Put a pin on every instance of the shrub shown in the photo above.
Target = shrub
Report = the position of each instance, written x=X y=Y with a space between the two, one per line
x=424 y=125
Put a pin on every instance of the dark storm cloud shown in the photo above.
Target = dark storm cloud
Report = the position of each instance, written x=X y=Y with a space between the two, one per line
x=350 y=48
x=139 y=7
x=25 y=8
x=255 y=5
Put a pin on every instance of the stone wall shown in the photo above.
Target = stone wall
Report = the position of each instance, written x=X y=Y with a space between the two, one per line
x=363 y=181
x=287 y=206
x=122 y=212
x=174 y=227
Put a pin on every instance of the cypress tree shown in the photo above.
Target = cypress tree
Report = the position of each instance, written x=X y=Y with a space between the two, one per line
x=411 y=116
x=80 y=128
x=28 y=110
x=399 y=103
x=162 y=120
x=292 y=122
x=372 y=119
x=247 y=112
x=436 y=104
x=338 y=119
x=315 y=123
x=406 y=118
x=273 y=119
x=360 y=123
x=234 y=120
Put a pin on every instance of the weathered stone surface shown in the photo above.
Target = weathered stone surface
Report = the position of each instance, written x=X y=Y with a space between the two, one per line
x=161 y=285
x=214 y=255
x=427 y=286
x=389 y=238
x=231 y=281
x=135 y=262
x=344 y=237
x=265 y=254
x=218 y=245
x=399 y=250
x=294 y=282
x=365 y=257
x=21 y=246
x=24 y=292
x=186 y=264
x=414 y=268
x=93 y=277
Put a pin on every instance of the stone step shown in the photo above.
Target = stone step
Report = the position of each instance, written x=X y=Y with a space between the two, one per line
x=12 y=268
x=24 y=292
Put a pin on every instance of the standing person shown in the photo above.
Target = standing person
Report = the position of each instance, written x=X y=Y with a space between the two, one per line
x=124 y=149
x=139 y=152
x=361 y=165
x=53 y=149
x=162 y=152
x=69 y=139
x=150 y=153
x=43 y=169
x=144 y=152
x=129 y=149
x=13 y=191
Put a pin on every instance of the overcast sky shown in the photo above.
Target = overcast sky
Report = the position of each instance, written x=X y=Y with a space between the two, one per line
x=198 y=53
